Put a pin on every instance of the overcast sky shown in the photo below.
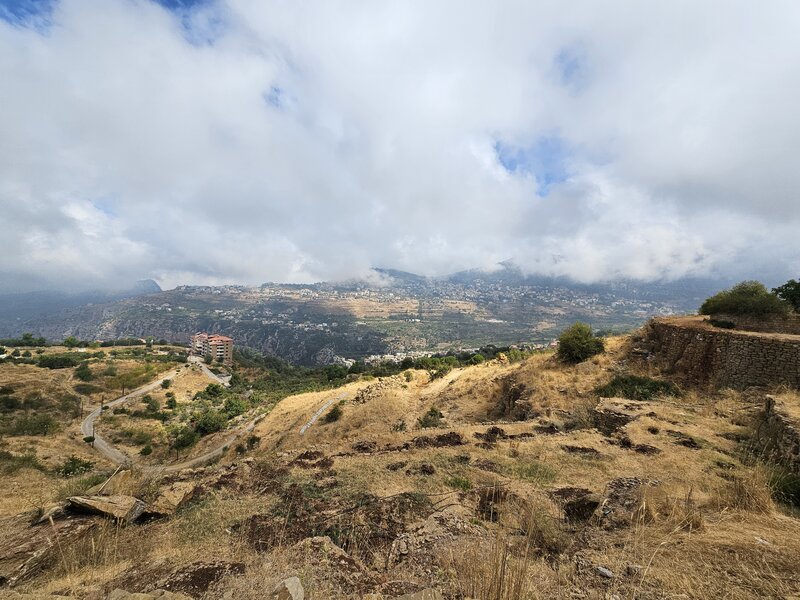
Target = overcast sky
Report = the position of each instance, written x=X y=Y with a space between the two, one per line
x=243 y=141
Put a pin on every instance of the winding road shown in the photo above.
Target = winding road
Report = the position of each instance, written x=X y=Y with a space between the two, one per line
x=118 y=457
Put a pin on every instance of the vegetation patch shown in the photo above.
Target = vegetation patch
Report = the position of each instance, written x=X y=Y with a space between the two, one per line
x=635 y=387
x=745 y=298
x=578 y=343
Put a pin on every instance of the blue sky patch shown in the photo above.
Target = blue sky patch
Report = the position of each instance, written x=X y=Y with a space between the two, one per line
x=572 y=68
x=546 y=159
x=27 y=13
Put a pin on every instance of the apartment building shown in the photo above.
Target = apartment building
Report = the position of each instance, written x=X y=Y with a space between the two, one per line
x=219 y=347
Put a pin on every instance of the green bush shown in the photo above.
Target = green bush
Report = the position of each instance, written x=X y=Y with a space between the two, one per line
x=83 y=372
x=87 y=388
x=74 y=466
x=432 y=418
x=209 y=421
x=333 y=414
x=147 y=450
x=166 y=383
x=11 y=463
x=58 y=361
x=234 y=406
x=745 y=298
x=634 y=387
x=578 y=343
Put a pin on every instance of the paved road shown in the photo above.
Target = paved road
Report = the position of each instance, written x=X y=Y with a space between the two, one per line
x=119 y=458
x=101 y=445
x=318 y=414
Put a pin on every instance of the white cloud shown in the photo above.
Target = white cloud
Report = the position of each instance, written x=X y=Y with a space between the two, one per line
x=246 y=141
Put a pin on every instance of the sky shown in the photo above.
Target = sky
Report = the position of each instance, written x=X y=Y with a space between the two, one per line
x=244 y=141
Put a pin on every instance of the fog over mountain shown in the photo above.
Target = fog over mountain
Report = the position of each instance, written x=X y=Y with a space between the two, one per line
x=242 y=141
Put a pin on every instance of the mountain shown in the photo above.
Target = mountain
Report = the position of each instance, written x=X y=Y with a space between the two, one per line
x=402 y=312
x=21 y=308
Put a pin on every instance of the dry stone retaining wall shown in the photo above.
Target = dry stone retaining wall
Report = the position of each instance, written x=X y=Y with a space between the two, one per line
x=772 y=324
x=777 y=438
x=724 y=357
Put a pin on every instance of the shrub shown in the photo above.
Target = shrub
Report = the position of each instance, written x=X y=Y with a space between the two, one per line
x=58 y=361
x=234 y=406
x=34 y=424
x=209 y=421
x=477 y=359
x=333 y=414
x=399 y=426
x=172 y=403
x=151 y=403
x=745 y=298
x=459 y=483
x=722 y=324
x=74 y=466
x=578 y=343
x=11 y=463
x=87 y=388
x=83 y=372
x=634 y=387
x=432 y=418
x=147 y=450
x=166 y=383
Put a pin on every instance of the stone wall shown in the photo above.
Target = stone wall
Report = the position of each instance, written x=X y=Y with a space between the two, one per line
x=776 y=438
x=723 y=357
x=771 y=324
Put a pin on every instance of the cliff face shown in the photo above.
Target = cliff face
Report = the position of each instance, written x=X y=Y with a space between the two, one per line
x=702 y=354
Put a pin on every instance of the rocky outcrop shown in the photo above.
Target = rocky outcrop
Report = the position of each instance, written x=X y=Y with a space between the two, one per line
x=120 y=508
x=25 y=551
x=723 y=357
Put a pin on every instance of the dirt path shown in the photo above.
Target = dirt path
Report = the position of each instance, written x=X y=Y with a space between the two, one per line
x=118 y=457
x=318 y=414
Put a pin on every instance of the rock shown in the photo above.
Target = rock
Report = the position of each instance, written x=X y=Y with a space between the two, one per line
x=171 y=499
x=27 y=550
x=119 y=594
x=121 y=508
x=604 y=572
x=632 y=570
x=578 y=504
x=426 y=594
x=195 y=578
x=289 y=589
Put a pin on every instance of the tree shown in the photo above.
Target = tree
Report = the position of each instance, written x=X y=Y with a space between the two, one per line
x=89 y=439
x=71 y=342
x=182 y=436
x=745 y=298
x=151 y=403
x=172 y=403
x=789 y=292
x=577 y=343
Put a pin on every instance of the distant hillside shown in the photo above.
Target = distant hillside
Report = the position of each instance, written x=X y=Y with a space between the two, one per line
x=312 y=324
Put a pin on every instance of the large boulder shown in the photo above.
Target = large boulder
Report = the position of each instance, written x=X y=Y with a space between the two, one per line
x=171 y=499
x=120 y=508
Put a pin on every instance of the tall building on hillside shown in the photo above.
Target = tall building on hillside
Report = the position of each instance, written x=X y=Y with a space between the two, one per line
x=219 y=347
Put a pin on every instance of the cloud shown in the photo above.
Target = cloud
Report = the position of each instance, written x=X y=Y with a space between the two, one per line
x=245 y=141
